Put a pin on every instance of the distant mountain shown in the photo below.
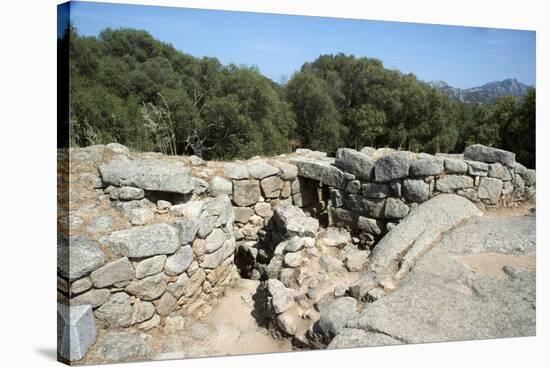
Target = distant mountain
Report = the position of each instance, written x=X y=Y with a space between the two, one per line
x=486 y=93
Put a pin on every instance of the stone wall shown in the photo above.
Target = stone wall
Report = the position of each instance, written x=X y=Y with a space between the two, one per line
x=143 y=237
x=372 y=190
x=140 y=239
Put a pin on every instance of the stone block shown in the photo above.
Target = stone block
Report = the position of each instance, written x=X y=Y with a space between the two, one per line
x=76 y=331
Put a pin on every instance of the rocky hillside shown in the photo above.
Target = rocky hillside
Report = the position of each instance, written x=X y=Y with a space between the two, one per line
x=483 y=94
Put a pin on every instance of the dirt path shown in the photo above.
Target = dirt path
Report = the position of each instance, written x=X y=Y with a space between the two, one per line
x=229 y=329
x=522 y=210
x=493 y=263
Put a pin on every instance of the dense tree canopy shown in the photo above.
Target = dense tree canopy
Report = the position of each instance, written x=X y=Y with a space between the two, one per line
x=130 y=88
x=127 y=87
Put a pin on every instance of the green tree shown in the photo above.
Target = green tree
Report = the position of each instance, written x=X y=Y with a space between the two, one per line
x=127 y=87
x=317 y=120
x=367 y=125
x=130 y=88
x=518 y=133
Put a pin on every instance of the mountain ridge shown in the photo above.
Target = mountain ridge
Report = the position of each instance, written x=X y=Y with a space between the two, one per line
x=485 y=93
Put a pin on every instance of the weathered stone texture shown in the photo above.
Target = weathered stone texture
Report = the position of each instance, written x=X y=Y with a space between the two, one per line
x=246 y=192
x=111 y=273
x=481 y=153
x=321 y=170
x=151 y=175
x=352 y=161
x=76 y=331
x=155 y=239
x=392 y=166
x=490 y=188
x=451 y=183
x=77 y=256
x=426 y=167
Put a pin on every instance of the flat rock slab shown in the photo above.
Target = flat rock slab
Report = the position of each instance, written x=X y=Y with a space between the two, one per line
x=418 y=231
x=482 y=153
x=155 y=239
x=322 y=169
x=444 y=299
x=123 y=347
x=356 y=338
x=151 y=175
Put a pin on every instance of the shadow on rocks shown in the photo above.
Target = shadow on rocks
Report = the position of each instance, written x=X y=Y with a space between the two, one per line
x=260 y=312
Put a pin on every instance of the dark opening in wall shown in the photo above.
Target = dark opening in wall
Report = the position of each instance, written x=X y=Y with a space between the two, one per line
x=173 y=198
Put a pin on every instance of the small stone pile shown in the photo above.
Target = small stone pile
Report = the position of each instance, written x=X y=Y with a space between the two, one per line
x=297 y=233
x=306 y=267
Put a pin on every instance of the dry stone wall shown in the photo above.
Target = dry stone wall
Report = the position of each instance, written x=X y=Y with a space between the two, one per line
x=372 y=190
x=145 y=237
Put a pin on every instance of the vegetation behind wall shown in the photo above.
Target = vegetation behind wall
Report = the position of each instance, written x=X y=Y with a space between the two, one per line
x=127 y=87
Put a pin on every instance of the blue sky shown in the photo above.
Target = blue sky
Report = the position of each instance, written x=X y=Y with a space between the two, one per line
x=279 y=44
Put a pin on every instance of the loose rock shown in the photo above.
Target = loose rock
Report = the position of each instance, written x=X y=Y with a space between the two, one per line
x=281 y=297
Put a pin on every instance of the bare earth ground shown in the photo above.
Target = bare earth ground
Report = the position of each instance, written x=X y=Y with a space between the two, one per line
x=493 y=263
x=230 y=328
